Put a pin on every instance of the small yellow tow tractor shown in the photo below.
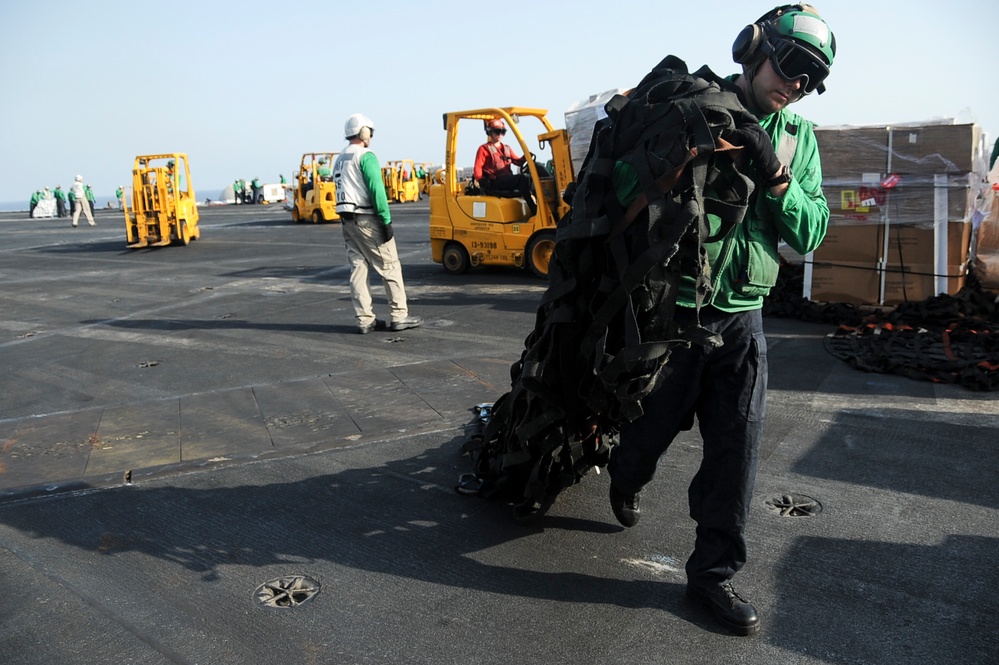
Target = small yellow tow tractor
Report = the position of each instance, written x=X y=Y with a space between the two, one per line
x=401 y=183
x=469 y=228
x=164 y=208
x=314 y=193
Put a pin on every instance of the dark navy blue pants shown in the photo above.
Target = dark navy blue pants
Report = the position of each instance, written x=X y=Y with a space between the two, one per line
x=725 y=388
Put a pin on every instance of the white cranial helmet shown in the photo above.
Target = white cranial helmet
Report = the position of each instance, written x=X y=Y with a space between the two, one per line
x=355 y=124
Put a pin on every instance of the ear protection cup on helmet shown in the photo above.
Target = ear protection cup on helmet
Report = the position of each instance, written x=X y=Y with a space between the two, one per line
x=747 y=46
x=364 y=134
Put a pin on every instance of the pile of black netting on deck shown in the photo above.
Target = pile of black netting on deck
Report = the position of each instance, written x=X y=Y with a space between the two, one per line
x=943 y=339
x=605 y=325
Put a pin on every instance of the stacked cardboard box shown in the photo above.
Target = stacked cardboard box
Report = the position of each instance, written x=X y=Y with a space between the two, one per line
x=580 y=119
x=901 y=200
x=987 y=248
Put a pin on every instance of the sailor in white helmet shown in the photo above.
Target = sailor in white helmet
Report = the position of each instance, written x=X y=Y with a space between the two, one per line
x=80 y=201
x=363 y=208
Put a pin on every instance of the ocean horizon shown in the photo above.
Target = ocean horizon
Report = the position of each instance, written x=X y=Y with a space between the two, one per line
x=101 y=202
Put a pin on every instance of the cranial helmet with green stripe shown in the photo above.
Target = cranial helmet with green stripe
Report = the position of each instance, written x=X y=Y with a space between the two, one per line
x=795 y=39
x=807 y=28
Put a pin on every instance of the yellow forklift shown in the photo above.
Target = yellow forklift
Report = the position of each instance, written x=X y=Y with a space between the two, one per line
x=401 y=183
x=469 y=228
x=314 y=193
x=164 y=208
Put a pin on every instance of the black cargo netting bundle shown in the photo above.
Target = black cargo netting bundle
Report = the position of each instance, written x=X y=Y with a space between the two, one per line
x=605 y=328
x=945 y=339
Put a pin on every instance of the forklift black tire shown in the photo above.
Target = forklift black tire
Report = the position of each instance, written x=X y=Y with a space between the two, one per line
x=539 y=252
x=456 y=260
x=317 y=216
x=295 y=217
x=183 y=236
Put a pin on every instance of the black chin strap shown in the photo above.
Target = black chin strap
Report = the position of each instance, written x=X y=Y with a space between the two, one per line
x=748 y=99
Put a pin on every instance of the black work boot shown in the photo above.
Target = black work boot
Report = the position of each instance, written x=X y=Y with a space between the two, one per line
x=407 y=323
x=625 y=507
x=728 y=607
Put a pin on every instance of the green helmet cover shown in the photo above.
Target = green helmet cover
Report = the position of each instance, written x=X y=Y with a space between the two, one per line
x=807 y=29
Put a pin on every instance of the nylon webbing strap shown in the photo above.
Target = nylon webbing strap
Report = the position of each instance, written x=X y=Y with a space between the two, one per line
x=663 y=184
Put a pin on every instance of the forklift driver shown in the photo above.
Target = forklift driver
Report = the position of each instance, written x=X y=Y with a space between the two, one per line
x=325 y=174
x=493 y=171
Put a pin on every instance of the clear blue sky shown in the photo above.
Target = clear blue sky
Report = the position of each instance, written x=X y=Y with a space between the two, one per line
x=246 y=87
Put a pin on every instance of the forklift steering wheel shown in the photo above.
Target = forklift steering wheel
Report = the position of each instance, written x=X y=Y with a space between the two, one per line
x=525 y=169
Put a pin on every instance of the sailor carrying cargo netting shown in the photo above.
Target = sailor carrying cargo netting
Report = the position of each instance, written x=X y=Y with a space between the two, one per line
x=605 y=325
x=652 y=313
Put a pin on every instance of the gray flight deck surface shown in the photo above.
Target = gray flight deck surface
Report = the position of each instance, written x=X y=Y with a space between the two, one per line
x=182 y=425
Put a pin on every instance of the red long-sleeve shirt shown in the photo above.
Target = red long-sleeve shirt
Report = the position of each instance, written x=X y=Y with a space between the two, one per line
x=493 y=160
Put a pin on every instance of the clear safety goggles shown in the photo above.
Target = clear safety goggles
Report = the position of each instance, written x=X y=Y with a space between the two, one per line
x=792 y=61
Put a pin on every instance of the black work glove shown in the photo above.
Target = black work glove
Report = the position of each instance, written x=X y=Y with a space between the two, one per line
x=758 y=145
x=388 y=232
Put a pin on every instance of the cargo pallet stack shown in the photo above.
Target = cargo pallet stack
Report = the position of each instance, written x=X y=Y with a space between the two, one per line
x=902 y=199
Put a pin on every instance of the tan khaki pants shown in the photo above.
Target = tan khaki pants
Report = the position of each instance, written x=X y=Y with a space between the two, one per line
x=77 y=205
x=365 y=249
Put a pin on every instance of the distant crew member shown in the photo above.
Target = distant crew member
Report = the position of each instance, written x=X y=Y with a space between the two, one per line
x=60 y=199
x=80 y=203
x=90 y=198
x=363 y=207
